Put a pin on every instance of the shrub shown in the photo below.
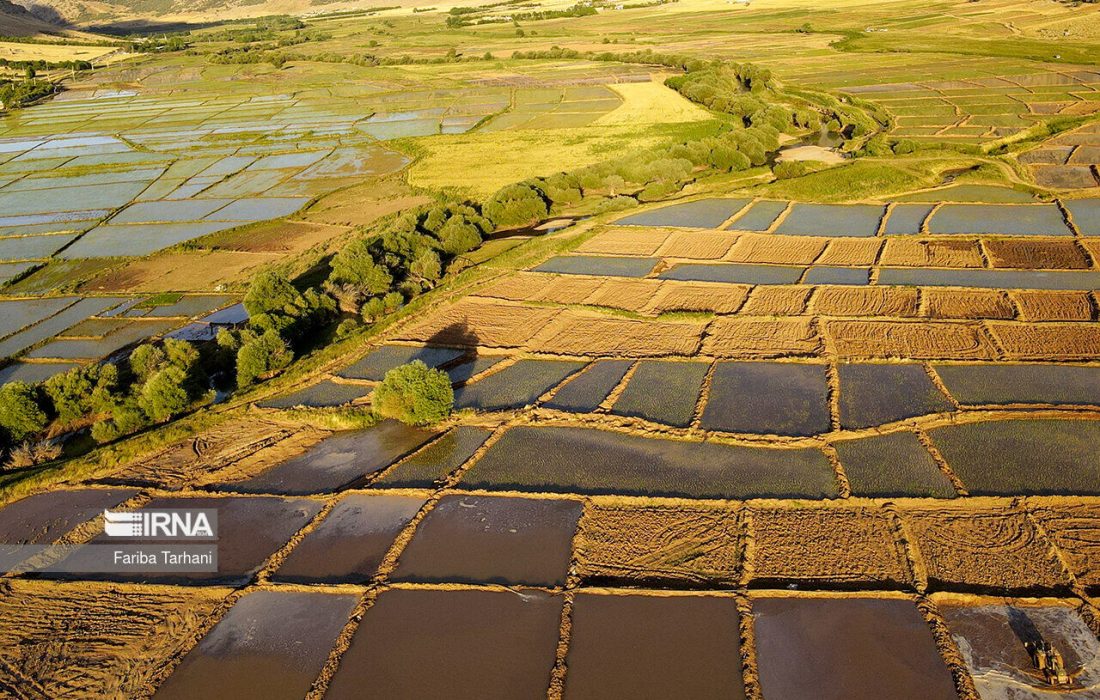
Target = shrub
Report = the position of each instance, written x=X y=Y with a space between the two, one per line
x=355 y=265
x=29 y=454
x=347 y=327
x=613 y=204
x=20 y=414
x=458 y=236
x=165 y=394
x=145 y=360
x=373 y=310
x=271 y=292
x=414 y=394
x=392 y=302
x=126 y=418
x=72 y=393
x=262 y=357
x=795 y=168
x=426 y=267
x=516 y=205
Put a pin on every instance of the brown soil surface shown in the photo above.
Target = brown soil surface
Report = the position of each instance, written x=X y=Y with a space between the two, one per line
x=966 y=303
x=698 y=245
x=1075 y=529
x=96 y=640
x=631 y=295
x=913 y=340
x=495 y=644
x=351 y=541
x=907 y=252
x=189 y=461
x=847 y=649
x=271 y=644
x=825 y=546
x=580 y=333
x=865 y=301
x=474 y=322
x=992 y=636
x=777 y=300
x=1036 y=255
x=1064 y=177
x=1055 y=341
x=1044 y=305
x=677 y=545
x=760 y=337
x=768 y=248
x=625 y=241
x=187 y=271
x=850 y=251
x=249 y=464
x=282 y=237
x=994 y=548
x=699 y=297
x=47 y=516
x=488 y=539
x=646 y=646
x=363 y=204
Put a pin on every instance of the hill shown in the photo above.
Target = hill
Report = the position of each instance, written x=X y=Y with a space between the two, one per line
x=16 y=20
x=100 y=13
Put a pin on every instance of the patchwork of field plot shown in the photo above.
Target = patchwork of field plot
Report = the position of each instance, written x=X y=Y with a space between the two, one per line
x=986 y=108
x=50 y=335
x=730 y=445
x=598 y=588
x=174 y=170
x=1067 y=161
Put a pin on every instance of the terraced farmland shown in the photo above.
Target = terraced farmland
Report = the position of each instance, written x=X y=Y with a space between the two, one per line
x=818 y=424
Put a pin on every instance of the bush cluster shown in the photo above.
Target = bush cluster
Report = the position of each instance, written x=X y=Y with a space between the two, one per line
x=404 y=256
x=17 y=94
x=414 y=394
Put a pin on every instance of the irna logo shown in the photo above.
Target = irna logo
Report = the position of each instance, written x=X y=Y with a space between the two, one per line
x=162 y=524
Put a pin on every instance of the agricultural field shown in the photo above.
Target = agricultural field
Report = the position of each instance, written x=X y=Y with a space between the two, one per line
x=677 y=349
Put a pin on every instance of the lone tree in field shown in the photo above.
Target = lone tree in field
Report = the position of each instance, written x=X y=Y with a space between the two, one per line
x=414 y=394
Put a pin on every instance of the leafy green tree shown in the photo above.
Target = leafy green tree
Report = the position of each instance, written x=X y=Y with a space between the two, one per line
x=426 y=267
x=20 y=414
x=272 y=292
x=165 y=394
x=458 y=236
x=71 y=393
x=182 y=354
x=373 y=310
x=262 y=357
x=392 y=302
x=126 y=418
x=81 y=391
x=146 y=360
x=414 y=394
x=516 y=205
x=355 y=265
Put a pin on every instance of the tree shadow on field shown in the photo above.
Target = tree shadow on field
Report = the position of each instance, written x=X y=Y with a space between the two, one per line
x=1022 y=626
x=457 y=334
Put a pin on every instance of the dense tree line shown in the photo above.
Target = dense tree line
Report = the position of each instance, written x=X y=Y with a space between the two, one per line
x=14 y=94
x=388 y=264
x=161 y=380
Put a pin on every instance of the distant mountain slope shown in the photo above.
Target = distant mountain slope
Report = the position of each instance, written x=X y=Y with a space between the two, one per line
x=101 y=12
x=16 y=20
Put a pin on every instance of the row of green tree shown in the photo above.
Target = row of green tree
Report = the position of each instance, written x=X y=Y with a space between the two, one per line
x=387 y=265
x=18 y=93
x=160 y=380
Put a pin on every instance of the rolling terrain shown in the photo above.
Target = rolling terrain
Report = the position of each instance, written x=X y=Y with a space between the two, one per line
x=758 y=349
